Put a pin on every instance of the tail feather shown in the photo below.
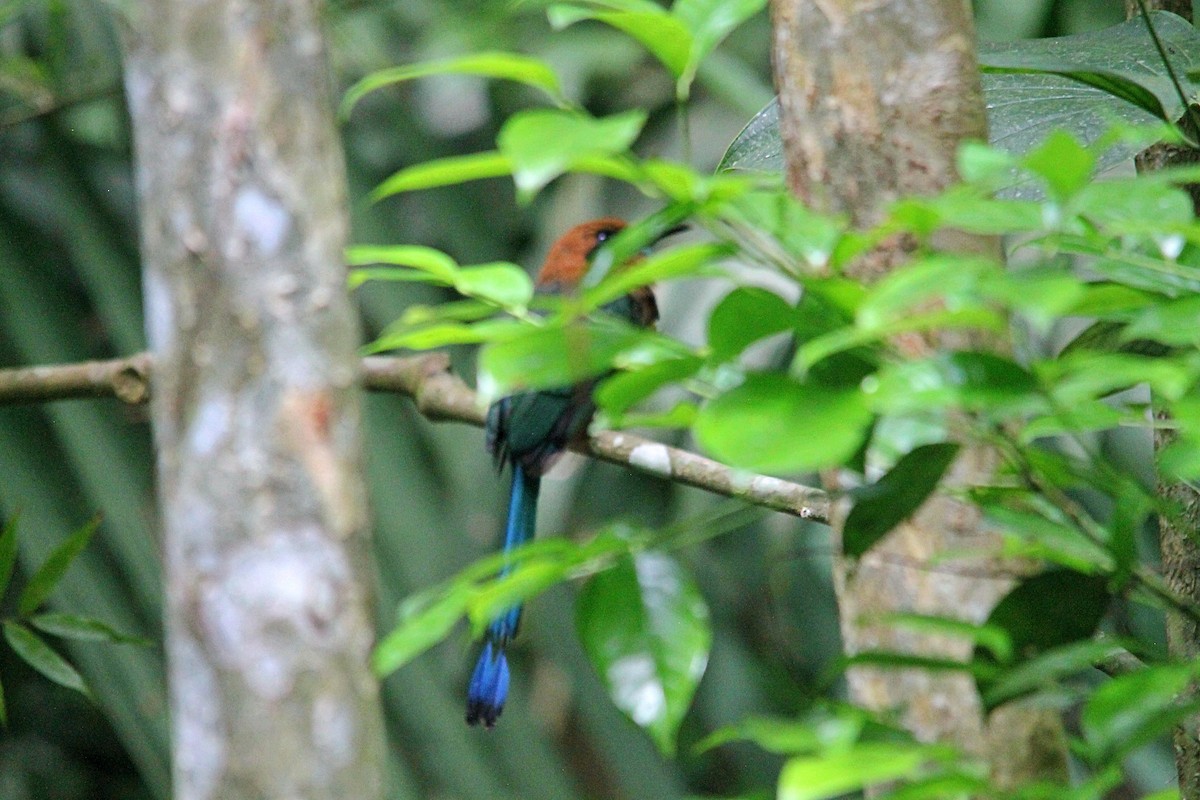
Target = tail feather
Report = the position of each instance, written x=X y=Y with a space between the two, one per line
x=488 y=689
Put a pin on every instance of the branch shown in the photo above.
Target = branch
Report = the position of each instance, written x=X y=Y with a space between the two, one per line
x=439 y=396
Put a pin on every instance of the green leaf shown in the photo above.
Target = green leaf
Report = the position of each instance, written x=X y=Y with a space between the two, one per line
x=3 y=708
x=39 y=655
x=506 y=285
x=444 y=172
x=744 y=316
x=505 y=66
x=1132 y=710
x=1051 y=609
x=8 y=551
x=423 y=621
x=434 y=263
x=665 y=36
x=817 y=730
x=677 y=262
x=623 y=390
x=775 y=424
x=709 y=22
x=895 y=497
x=976 y=381
x=644 y=625
x=836 y=773
x=84 y=629
x=440 y=334
x=1044 y=672
x=1120 y=60
x=1064 y=163
x=542 y=144
x=52 y=569
x=1171 y=322
x=562 y=356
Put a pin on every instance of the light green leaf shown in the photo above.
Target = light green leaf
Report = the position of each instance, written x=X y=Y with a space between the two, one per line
x=775 y=424
x=433 y=263
x=52 y=569
x=505 y=66
x=39 y=655
x=542 y=144
x=645 y=627
x=504 y=284
x=709 y=22
x=444 y=172
x=667 y=39
x=677 y=262
x=423 y=621
x=836 y=773
x=1131 y=710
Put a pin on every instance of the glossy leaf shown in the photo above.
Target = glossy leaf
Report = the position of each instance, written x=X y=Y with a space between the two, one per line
x=542 y=144
x=645 y=628
x=895 y=497
x=665 y=36
x=43 y=581
x=775 y=424
x=39 y=655
x=505 y=66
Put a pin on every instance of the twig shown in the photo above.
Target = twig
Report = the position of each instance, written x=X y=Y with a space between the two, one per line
x=440 y=396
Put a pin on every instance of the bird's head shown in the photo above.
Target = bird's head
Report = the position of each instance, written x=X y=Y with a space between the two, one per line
x=569 y=258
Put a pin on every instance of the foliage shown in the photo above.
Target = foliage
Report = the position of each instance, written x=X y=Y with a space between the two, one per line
x=70 y=290
x=1122 y=252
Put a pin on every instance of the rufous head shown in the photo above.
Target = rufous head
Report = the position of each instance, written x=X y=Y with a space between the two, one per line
x=569 y=258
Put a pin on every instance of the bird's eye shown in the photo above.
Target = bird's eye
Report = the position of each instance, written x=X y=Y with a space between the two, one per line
x=603 y=234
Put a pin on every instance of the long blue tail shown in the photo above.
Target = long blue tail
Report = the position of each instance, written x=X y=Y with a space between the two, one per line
x=489 y=682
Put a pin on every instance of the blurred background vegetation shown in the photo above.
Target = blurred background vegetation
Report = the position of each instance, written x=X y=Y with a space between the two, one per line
x=69 y=290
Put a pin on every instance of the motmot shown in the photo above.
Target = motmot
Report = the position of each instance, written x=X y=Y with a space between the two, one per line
x=530 y=430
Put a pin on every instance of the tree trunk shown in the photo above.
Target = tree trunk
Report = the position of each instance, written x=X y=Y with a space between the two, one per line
x=875 y=97
x=255 y=406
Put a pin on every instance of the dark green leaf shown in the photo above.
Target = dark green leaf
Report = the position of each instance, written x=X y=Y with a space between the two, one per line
x=8 y=551
x=48 y=574
x=895 y=497
x=505 y=66
x=744 y=316
x=84 y=629
x=775 y=424
x=1051 y=609
x=37 y=654
x=644 y=625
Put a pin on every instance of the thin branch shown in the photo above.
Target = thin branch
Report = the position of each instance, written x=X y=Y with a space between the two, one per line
x=439 y=396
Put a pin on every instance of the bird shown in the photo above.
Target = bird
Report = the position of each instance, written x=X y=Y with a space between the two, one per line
x=529 y=431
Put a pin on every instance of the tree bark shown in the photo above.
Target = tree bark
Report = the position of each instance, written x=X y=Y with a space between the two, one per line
x=875 y=97
x=255 y=406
